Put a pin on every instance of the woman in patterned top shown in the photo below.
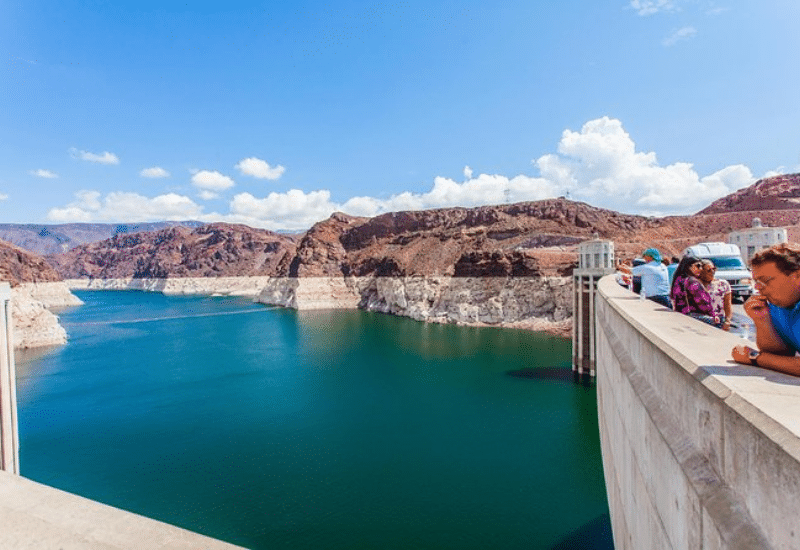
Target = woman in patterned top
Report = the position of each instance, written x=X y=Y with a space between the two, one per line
x=689 y=295
x=720 y=292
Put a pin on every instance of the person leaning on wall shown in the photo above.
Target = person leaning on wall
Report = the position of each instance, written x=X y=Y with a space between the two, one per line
x=655 y=279
x=689 y=295
x=719 y=290
x=775 y=311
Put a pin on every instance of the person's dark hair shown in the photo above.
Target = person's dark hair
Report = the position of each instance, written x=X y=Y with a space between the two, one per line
x=785 y=256
x=683 y=271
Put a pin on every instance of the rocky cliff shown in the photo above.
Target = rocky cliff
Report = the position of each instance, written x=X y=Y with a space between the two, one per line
x=213 y=250
x=35 y=288
x=773 y=193
x=488 y=265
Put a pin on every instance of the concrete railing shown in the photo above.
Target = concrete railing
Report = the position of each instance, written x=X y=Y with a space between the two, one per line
x=698 y=452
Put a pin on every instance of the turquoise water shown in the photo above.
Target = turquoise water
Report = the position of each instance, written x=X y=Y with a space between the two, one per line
x=272 y=428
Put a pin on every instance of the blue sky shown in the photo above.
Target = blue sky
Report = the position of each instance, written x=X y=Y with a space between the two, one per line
x=276 y=114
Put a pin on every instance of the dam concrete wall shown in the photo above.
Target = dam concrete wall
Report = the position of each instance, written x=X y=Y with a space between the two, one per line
x=698 y=451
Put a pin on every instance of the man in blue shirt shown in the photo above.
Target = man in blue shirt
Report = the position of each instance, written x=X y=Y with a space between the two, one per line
x=775 y=311
x=655 y=278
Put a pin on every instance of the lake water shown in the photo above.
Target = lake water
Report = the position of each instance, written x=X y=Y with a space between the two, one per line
x=272 y=428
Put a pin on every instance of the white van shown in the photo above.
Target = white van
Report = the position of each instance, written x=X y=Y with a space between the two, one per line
x=728 y=259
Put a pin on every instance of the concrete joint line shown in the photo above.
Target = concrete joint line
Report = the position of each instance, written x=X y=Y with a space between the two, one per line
x=729 y=512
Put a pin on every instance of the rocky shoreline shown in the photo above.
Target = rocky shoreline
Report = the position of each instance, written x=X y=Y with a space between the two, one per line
x=535 y=303
x=34 y=324
x=531 y=303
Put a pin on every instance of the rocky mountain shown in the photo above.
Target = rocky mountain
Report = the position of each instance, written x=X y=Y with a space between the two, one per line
x=20 y=266
x=35 y=287
x=213 y=250
x=773 y=193
x=58 y=238
x=524 y=239
x=501 y=240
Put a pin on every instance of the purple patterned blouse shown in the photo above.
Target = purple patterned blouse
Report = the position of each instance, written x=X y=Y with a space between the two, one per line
x=690 y=296
x=717 y=289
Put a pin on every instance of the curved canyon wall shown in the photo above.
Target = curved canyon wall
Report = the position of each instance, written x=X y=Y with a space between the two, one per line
x=537 y=303
x=210 y=286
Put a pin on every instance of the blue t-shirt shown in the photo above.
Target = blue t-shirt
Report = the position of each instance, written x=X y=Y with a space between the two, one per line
x=787 y=324
x=655 y=280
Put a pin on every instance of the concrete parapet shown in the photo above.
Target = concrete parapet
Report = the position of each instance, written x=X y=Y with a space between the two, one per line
x=36 y=516
x=698 y=452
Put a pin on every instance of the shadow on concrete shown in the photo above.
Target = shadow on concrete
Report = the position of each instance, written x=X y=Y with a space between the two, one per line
x=595 y=535
x=558 y=374
x=732 y=368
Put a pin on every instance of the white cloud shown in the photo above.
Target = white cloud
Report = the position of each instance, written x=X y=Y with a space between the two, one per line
x=684 y=33
x=258 y=168
x=103 y=158
x=42 y=173
x=154 y=172
x=467 y=172
x=294 y=209
x=208 y=195
x=598 y=164
x=3 y=197
x=123 y=206
x=780 y=170
x=211 y=180
x=649 y=7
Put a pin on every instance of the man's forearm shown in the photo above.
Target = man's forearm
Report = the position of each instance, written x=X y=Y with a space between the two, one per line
x=780 y=363
x=767 y=339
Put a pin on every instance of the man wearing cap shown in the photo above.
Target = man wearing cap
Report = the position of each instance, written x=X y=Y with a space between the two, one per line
x=655 y=277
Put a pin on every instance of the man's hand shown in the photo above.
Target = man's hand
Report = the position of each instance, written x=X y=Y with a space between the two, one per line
x=741 y=354
x=756 y=308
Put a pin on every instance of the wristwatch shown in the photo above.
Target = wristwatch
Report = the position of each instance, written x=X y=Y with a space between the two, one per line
x=754 y=353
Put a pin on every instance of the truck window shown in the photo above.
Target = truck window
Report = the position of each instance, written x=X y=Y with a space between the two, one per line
x=726 y=263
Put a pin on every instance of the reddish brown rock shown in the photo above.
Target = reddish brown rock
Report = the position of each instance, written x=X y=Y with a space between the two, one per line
x=20 y=266
x=773 y=193
x=525 y=239
x=213 y=250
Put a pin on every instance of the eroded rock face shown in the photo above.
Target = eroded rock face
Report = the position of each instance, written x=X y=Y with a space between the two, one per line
x=773 y=193
x=35 y=287
x=34 y=325
x=213 y=250
x=20 y=266
x=539 y=303
x=321 y=251
x=448 y=265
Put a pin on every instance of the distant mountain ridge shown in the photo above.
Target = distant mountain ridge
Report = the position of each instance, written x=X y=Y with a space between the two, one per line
x=47 y=239
x=211 y=250
x=524 y=239
x=531 y=239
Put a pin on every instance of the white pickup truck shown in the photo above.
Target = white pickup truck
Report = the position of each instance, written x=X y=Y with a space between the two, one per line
x=728 y=259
